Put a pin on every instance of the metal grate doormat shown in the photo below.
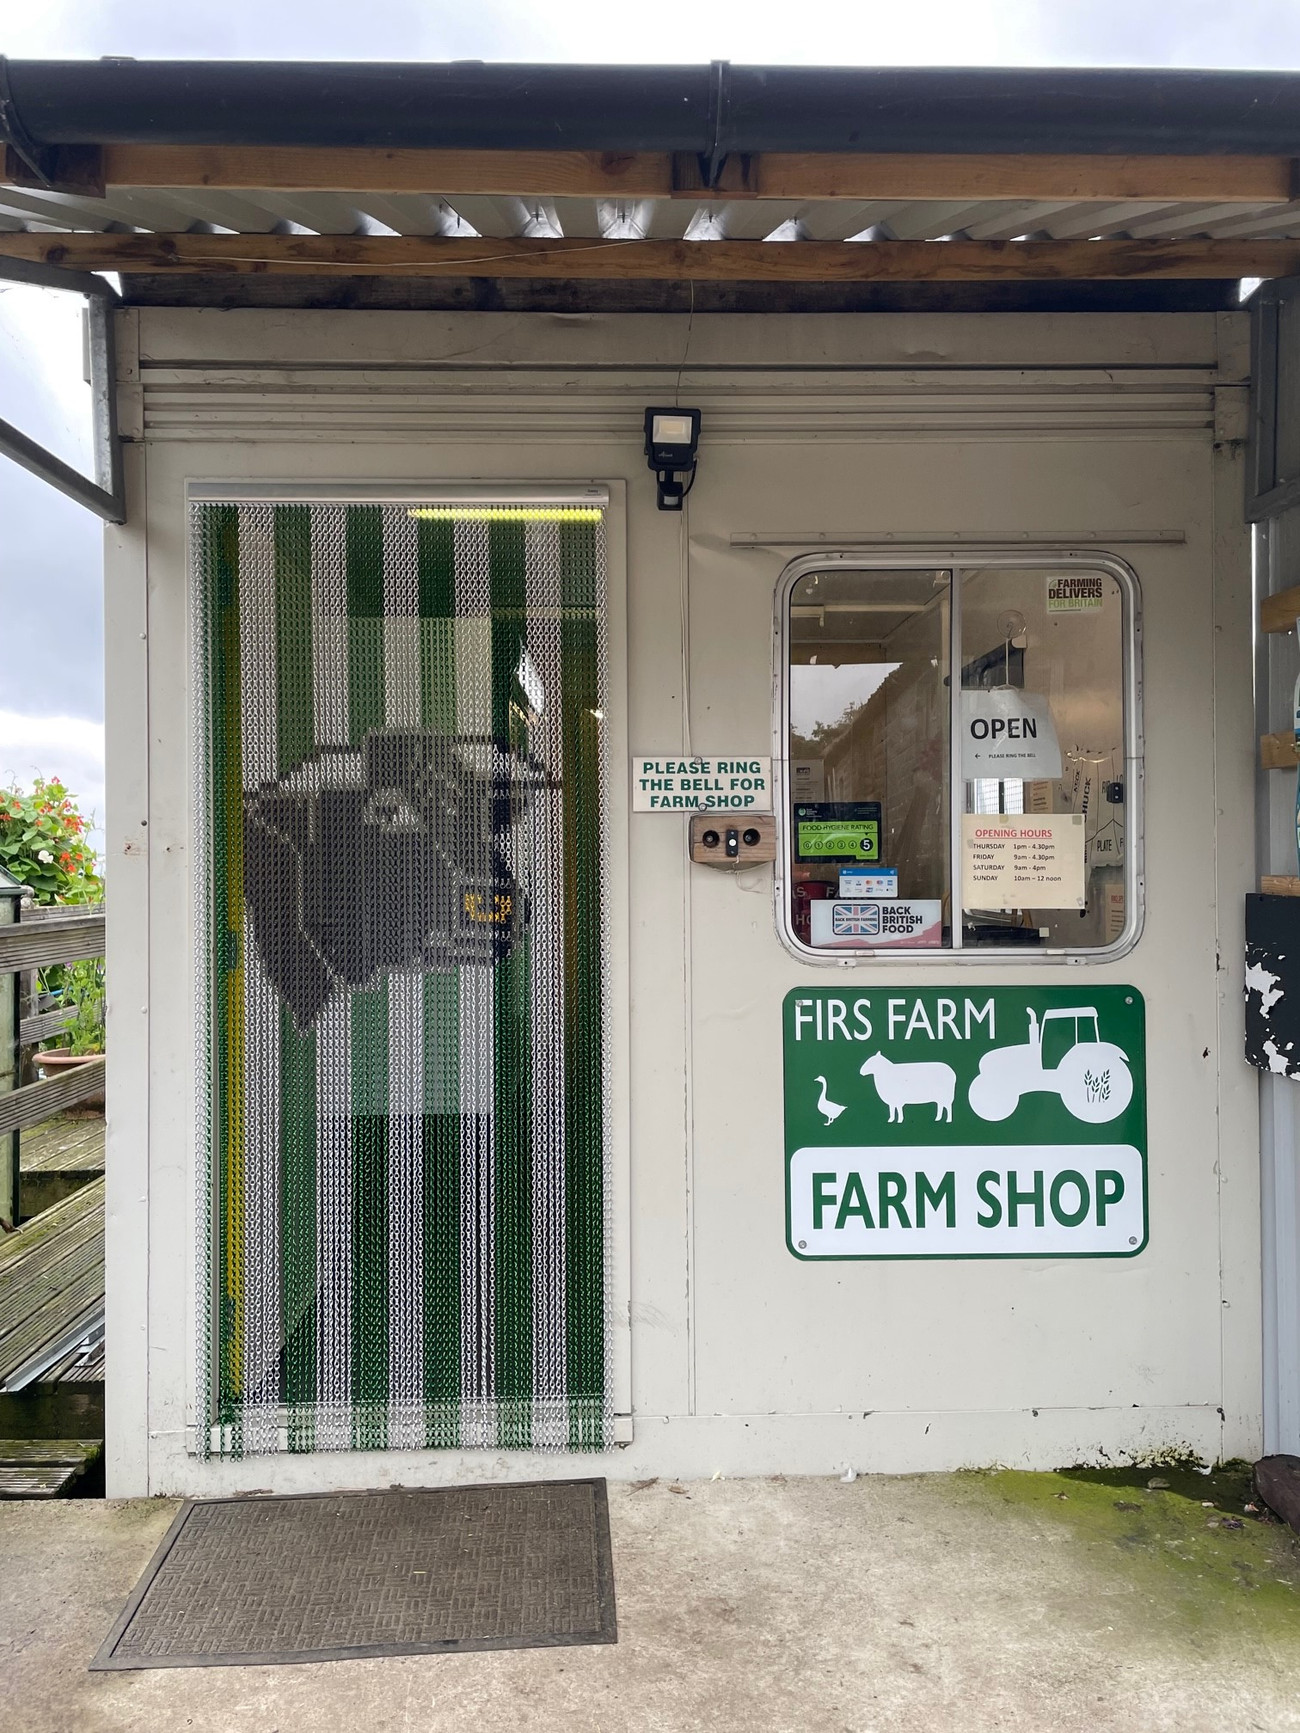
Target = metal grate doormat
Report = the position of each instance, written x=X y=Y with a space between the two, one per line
x=339 y=1576
x=402 y=1035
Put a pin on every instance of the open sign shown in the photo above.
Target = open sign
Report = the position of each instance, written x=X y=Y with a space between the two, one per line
x=1008 y=734
x=1013 y=727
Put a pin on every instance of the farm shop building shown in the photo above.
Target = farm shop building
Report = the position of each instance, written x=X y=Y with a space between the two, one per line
x=481 y=431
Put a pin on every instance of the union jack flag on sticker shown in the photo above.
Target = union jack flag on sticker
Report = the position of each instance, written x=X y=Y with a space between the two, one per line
x=855 y=920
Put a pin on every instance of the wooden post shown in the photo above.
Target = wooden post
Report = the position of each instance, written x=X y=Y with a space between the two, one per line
x=10 y=1057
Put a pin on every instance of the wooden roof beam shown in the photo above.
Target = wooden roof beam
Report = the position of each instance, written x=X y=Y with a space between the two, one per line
x=492 y=173
x=975 y=179
x=703 y=261
x=658 y=175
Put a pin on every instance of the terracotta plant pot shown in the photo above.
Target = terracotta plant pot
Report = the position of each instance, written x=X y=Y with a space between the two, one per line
x=58 y=1060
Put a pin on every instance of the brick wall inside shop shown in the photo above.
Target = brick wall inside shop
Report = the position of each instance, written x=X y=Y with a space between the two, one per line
x=893 y=751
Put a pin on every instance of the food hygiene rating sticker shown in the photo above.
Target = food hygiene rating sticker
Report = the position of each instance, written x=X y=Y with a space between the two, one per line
x=998 y=1123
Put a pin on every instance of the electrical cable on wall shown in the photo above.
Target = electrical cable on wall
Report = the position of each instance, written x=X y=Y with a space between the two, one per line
x=684 y=552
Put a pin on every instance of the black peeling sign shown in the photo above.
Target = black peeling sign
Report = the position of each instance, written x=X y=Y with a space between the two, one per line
x=1273 y=984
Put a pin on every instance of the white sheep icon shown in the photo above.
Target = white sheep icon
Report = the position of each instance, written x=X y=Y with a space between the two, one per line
x=912 y=1085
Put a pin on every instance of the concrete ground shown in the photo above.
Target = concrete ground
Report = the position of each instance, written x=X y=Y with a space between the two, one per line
x=965 y=1602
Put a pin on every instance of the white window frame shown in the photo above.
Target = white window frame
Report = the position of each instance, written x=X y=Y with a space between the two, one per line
x=958 y=562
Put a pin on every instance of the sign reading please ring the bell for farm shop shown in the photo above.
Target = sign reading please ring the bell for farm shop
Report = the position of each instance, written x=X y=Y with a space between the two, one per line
x=675 y=783
x=994 y=1122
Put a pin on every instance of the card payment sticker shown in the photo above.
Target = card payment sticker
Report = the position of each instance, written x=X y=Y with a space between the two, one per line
x=868 y=881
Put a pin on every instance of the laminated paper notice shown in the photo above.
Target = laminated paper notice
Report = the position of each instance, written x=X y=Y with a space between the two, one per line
x=1030 y=861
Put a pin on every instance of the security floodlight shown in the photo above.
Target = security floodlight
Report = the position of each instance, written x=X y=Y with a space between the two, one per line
x=671 y=439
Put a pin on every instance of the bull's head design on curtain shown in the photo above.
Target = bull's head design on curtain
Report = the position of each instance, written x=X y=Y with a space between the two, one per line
x=393 y=855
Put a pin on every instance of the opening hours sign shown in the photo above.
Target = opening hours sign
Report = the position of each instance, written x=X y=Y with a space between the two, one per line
x=996 y=1122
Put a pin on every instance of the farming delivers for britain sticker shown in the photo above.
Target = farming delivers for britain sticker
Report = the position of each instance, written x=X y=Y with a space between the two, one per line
x=992 y=1123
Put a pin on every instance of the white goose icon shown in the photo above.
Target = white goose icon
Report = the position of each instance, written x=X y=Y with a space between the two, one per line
x=829 y=1110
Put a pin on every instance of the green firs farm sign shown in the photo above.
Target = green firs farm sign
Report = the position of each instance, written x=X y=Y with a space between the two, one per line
x=991 y=1123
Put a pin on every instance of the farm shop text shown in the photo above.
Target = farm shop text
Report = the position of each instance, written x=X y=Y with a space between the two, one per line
x=1059 y=1200
x=895 y=1017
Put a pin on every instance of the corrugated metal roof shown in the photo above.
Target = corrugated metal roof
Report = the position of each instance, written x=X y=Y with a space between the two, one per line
x=166 y=210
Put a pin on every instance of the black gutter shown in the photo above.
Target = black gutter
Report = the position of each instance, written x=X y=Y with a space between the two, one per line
x=711 y=111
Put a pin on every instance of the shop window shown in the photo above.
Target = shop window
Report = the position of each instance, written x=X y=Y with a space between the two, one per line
x=1001 y=815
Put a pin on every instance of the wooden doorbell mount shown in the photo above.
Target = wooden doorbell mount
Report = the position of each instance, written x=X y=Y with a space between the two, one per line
x=732 y=839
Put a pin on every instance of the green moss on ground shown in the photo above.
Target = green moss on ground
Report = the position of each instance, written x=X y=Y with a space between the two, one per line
x=1176 y=1545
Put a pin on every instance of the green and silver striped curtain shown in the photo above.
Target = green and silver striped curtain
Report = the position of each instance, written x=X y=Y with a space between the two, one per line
x=402 y=1084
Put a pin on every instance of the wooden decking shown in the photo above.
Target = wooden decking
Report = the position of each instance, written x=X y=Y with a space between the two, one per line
x=52 y=1237
x=71 y=1141
x=57 y=1158
x=52 y=1269
x=45 y=1467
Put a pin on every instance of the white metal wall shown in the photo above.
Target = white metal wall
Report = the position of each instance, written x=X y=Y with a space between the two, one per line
x=1119 y=432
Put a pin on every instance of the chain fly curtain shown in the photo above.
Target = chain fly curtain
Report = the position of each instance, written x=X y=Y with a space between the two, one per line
x=402 y=1033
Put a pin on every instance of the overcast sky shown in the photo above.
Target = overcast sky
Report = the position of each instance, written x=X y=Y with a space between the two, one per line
x=51 y=679
x=951 y=32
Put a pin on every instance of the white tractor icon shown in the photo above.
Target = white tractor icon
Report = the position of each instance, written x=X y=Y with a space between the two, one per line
x=1091 y=1076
